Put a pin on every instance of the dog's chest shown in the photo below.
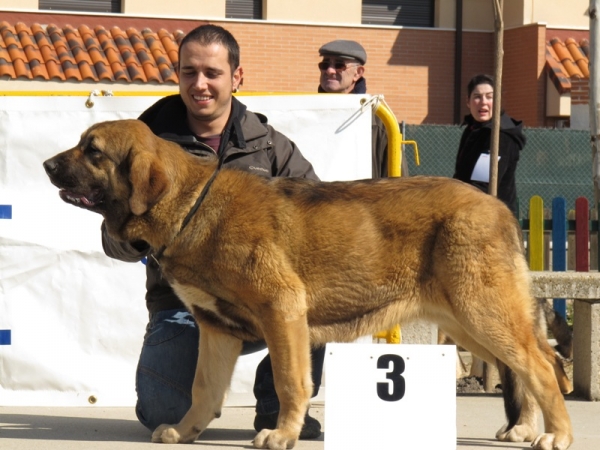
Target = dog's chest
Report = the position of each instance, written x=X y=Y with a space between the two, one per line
x=210 y=309
x=193 y=296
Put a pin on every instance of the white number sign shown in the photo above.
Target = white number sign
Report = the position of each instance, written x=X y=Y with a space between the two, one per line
x=390 y=396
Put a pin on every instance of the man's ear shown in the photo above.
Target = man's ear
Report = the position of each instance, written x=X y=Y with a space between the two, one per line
x=149 y=182
x=237 y=79
x=360 y=71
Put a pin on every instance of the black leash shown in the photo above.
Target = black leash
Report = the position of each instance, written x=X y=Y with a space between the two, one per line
x=232 y=122
x=158 y=255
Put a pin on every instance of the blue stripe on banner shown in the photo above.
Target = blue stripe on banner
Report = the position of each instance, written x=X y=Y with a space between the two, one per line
x=4 y=337
x=5 y=211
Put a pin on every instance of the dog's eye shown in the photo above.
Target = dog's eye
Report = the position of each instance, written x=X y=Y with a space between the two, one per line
x=92 y=151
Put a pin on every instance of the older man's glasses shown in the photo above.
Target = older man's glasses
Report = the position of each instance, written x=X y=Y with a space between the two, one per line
x=338 y=64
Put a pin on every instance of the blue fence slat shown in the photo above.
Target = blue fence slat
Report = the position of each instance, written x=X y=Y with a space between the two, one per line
x=559 y=246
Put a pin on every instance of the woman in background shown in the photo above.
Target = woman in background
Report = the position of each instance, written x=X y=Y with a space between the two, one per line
x=473 y=158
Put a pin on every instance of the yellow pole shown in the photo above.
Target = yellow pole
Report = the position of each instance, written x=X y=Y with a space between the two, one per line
x=394 y=335
x=394 y=140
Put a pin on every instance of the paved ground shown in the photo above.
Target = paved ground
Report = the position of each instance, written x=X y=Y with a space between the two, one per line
x=27 y=428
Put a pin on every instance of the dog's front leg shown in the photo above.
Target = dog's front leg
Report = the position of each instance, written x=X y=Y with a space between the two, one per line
x=216 y=361
x=289 y=347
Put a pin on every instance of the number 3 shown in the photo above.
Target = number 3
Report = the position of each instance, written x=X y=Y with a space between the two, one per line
x=398 y=383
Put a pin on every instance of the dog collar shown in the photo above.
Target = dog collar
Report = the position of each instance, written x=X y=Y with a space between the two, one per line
x=158 y=255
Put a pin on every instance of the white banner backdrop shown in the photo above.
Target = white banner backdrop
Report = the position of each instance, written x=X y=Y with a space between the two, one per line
x=72 y=320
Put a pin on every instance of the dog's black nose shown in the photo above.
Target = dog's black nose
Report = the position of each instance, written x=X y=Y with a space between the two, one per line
x=50 y=166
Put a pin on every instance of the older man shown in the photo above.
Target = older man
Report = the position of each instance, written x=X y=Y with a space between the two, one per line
x=342 y=72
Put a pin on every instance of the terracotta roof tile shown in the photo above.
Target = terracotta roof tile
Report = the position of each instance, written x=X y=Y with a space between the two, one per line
x=48 y=53
x=133 y=65
x=15 y=51
x=159 y=54
x=32 y=52
x=585 y=47
x=99 y=61
x=84 y=62
x=170 y=45
x=566 y=61
x=6 y=66
x=88 y=53
x=578 y=56
x=64 y=54
x=143 y=54
x=117 y=65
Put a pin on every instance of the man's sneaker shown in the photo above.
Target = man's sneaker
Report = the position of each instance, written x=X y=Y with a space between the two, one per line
x=310 y=430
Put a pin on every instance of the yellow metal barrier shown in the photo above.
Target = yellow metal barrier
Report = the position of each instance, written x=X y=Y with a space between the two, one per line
x=393 y=336
x=395 y=138
x=395 y=141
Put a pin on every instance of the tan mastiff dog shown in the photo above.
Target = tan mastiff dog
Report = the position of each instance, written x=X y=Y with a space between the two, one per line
x=297 y=262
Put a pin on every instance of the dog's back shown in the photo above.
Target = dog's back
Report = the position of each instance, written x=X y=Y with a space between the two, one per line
x=376 y=251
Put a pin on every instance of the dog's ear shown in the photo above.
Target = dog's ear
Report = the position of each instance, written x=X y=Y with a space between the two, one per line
x=149 y=181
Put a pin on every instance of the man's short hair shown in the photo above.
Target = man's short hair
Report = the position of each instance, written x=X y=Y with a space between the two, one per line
x=214 y=34
x=344 y=49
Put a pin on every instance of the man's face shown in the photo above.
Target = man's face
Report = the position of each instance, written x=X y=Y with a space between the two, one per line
x=206 y=83
x=342 y=79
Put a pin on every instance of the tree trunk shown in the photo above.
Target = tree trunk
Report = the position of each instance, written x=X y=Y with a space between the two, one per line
x=498 y=56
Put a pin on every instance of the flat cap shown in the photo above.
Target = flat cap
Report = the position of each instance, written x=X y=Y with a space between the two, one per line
x=344 y=49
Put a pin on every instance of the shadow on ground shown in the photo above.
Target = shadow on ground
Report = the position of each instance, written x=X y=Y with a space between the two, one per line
x=68 y=428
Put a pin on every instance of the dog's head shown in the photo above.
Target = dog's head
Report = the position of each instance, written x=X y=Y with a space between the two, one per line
x=113 y=170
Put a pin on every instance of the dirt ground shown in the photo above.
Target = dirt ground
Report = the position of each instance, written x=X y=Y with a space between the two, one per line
x=469 y=385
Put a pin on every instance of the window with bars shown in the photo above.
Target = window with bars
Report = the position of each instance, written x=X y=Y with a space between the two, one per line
x=99 y=6
x=243 y=9
x=408 y=13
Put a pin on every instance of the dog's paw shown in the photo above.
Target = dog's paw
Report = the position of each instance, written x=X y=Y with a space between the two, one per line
x=168 y=434
x=552 y=441
x=518 y=433
x=273 y=440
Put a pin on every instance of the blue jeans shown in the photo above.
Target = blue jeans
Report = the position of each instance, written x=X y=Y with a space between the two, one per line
x=167 y=365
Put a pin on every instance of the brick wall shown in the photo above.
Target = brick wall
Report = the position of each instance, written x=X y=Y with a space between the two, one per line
x=580 y=91
x=412 y=68
x=524 y=88
x=477 y=58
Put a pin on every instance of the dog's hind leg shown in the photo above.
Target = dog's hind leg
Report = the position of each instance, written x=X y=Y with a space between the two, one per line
x=533 y=367
x=513 y=341
x=520 y=408
x=532 y=362
x=216 y=360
